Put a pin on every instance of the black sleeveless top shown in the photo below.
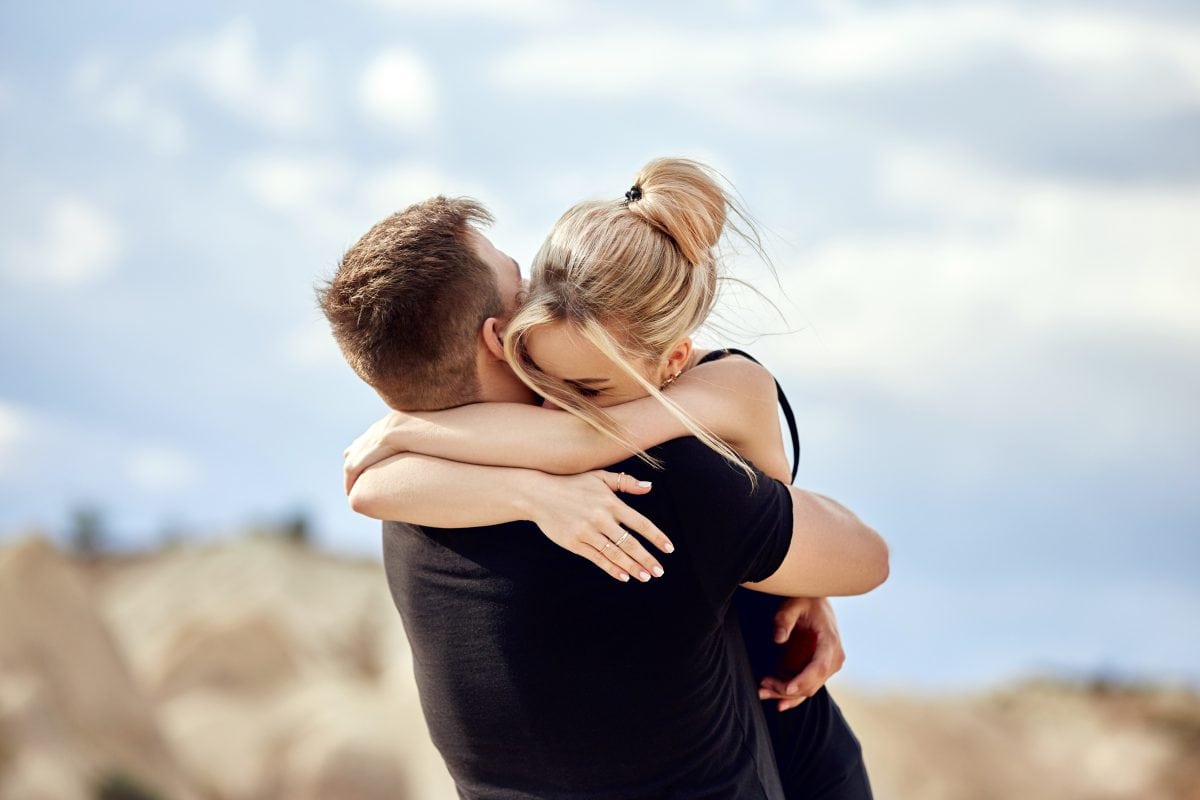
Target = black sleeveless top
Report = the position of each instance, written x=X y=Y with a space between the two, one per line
x=716 y=355
x=816 y=751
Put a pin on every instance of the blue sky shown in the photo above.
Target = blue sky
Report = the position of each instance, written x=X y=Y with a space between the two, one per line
x=983 y=216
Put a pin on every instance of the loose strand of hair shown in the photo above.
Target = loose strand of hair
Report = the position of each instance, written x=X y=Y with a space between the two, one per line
x=595 y=333
x=553 y=389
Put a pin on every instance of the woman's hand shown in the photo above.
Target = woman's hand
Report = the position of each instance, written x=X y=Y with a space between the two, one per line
x=582 y=514
x=379 y=442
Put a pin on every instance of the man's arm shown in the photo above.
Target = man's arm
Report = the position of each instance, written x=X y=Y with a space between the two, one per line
x=579 y=513
x=832 y=552
x=806 y=628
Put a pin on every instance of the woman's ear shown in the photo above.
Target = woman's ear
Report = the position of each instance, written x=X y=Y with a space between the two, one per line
x=492 y=333
x=678 y=358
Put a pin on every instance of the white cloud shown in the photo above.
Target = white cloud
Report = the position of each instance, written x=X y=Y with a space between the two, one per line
x=1154 y=66
x=526 y=12
x=92 y=73
x=1091 y=255
x=397 y=88
x=78 y=244
x=1022 y=306
x=16 y=428
x=1142 y=65
x=285 y=182
x=66 y=455
x=231 y=68
x=313 y=191
x=337 y=199
x=394 y=186
x=130 y=106
x=159 y=468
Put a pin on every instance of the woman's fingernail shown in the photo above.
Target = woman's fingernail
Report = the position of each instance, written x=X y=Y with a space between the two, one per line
x=624 y=577
x=668 y=547
x=645 y=576
x=658 y=571
x=644 y=484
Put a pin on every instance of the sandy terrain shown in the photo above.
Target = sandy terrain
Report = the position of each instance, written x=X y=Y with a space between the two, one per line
x=256 y=669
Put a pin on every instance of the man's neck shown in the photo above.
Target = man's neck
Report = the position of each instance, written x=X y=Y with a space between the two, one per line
x=498 y=384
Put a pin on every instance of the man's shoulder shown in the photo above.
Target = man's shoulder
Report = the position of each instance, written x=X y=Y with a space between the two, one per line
x=687 y=458
x=692 y=473
x=683 y=444
x=686 y=451
x=395 y=528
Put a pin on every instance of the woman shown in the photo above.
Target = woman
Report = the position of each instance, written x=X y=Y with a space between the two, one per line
x=617 y=290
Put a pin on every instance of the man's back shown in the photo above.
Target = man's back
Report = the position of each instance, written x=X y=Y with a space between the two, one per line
x=540 y=676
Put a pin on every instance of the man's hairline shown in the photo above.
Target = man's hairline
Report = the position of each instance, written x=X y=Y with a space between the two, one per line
x=473 y=225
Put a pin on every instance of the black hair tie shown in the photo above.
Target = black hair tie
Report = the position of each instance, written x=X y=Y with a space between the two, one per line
x=633 y=194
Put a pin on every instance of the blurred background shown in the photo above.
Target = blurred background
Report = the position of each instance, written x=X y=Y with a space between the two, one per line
x=985 y=222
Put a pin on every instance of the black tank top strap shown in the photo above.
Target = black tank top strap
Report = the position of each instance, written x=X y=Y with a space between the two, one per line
x=783 y=401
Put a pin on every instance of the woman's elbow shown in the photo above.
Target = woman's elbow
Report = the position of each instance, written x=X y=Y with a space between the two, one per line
x=880 y=560
x=867 y=569
x=363 y=501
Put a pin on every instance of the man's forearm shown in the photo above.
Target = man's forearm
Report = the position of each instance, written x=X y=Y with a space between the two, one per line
x=423 y=490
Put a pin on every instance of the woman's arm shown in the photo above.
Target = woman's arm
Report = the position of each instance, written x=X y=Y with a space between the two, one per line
x=734 y=398
x=580 y=513
x=832 y=553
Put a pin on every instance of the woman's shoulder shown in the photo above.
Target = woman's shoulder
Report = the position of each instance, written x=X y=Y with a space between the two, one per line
x=708 y=356
x=732 y=368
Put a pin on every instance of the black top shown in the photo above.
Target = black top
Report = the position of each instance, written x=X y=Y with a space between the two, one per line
x=816 y=752
x=541 y=676
x=784 y=405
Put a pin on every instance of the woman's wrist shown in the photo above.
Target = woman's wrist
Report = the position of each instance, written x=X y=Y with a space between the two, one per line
x=400 y=433
x=526 y=489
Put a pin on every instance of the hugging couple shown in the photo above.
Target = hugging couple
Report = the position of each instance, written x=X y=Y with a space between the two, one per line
x=541 y=426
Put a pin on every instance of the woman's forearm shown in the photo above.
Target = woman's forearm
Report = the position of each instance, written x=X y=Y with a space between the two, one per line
x=509 y=435
x=579 y=513
x=732 y=398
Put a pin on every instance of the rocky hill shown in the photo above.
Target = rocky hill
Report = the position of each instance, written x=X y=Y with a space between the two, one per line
x=256 y=669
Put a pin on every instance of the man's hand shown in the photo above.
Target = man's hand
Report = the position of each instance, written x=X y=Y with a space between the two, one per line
x=582 y=514
x=373 y=446
x=807 y=629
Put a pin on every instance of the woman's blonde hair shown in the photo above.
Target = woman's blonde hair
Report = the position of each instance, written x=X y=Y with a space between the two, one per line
x=634 y=277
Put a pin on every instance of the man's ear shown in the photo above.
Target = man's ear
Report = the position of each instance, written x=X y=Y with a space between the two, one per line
x=492 y=332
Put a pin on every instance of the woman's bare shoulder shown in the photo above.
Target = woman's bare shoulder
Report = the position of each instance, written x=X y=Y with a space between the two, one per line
x=731 y=363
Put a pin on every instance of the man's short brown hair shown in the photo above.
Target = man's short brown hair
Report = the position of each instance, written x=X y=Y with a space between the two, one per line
x=407 y=303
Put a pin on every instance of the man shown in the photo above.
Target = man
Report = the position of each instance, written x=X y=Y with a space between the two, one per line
x=539 y=676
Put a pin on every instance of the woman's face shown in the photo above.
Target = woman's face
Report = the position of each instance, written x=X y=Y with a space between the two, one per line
x=558 y=350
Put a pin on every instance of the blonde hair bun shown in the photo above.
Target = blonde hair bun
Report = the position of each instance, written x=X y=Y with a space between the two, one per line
x=633 y=277
x=683 y=199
